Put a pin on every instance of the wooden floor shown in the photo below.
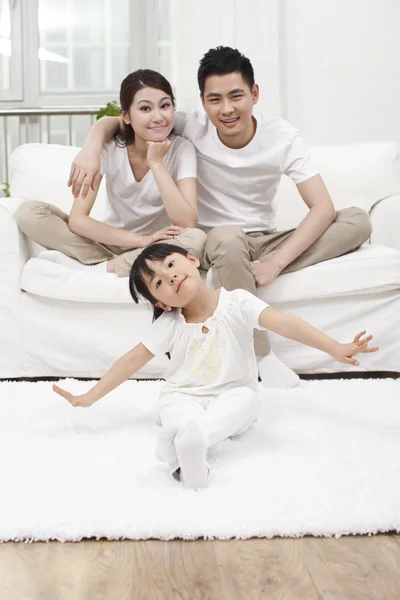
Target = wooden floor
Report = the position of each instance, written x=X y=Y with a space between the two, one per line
x=351 y=568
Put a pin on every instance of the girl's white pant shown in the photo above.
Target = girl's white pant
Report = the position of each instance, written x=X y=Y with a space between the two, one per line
x=221 y=417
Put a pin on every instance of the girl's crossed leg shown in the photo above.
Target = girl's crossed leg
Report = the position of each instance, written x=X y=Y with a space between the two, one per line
x=192 y=424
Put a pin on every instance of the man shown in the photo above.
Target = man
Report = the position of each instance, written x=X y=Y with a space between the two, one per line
x=241 y=159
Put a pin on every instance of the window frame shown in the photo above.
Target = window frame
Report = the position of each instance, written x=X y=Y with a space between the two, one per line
x=25 y=62
x=15 y=91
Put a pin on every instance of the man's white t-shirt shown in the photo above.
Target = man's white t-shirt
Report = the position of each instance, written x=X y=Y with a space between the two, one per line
x=237 y=187
x=207 y=364
x=137 y=205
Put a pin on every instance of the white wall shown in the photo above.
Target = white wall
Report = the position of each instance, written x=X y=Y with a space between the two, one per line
x=341 y=66
x=329 y=66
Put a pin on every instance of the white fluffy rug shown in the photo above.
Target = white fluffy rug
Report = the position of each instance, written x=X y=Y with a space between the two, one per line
x=323 y=459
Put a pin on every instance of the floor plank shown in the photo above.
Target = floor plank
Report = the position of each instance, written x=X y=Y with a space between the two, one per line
x=354 y=567
x=258 y=569
x=350 y=568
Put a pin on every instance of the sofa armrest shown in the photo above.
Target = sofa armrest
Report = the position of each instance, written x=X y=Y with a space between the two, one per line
x=11 y=204
x=385 y=219
x=14 y=249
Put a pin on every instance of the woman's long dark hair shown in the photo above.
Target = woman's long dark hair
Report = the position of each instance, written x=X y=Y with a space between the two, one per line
x=129 y=87
x=140 y=271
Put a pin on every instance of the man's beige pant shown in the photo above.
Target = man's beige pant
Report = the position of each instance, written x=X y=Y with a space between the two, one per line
x=47 y=225
x=229 y=251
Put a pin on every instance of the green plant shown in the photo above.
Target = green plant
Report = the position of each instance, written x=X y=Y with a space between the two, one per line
x=111 y=109
x=5 y=186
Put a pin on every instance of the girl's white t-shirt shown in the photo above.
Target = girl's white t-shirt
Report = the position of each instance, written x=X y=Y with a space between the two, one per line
x=137 y=205
x=207 y=364
x=238 y=186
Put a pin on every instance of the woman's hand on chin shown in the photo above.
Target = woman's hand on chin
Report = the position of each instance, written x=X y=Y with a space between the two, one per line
x=156 y=151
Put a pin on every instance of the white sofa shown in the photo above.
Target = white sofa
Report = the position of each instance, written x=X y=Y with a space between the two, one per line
x=59 y=322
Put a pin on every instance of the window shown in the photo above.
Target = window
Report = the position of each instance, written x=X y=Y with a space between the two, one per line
x=10 y=50
x=5 y=44
x=73 y=52
x=84 y=47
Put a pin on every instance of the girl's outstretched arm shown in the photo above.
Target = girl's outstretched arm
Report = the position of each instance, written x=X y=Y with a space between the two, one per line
x=124 y=368
x=296 y=329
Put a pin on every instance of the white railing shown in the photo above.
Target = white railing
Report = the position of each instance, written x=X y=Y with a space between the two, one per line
x=20 y=126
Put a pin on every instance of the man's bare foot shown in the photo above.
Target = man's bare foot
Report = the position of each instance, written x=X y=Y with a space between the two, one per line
x=110 y=266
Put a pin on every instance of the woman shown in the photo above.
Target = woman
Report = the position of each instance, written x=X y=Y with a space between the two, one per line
x=151 y=188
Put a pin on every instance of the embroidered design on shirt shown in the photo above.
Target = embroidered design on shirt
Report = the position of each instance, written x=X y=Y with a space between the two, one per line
x=205 y=359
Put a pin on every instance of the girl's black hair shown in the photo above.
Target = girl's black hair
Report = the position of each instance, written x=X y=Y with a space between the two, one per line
x=140 y=270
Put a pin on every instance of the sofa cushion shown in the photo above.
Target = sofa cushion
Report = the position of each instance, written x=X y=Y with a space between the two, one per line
x=370 y=269
x=41 y=171
x=355 y=175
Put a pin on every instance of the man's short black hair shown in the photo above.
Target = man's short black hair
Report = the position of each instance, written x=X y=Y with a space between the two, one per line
x=221 y=61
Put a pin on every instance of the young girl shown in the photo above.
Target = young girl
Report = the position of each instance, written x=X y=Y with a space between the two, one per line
x=211 y=381
x=151 y=189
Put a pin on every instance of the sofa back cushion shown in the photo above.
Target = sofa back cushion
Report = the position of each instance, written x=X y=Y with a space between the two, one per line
x=356 y=175
x=40 y=172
